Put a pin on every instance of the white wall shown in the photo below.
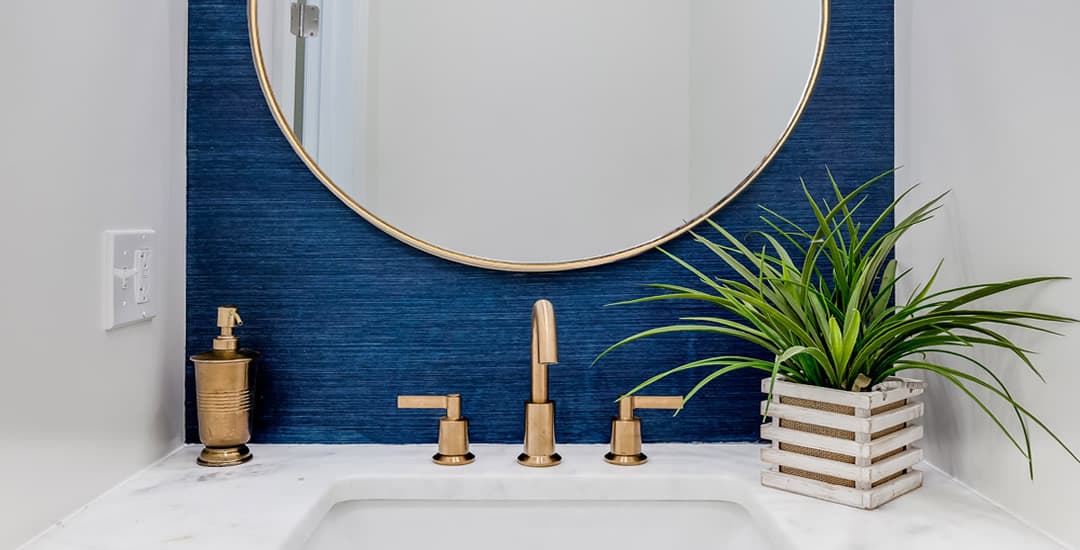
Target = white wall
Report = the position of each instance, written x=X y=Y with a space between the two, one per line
x=576 y=128
x=278 y=46
x=93 y=103
x=986 y=97
x=511 y=140
x=741 y=103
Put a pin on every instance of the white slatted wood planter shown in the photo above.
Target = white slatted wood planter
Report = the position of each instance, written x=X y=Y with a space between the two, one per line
x=852 y=448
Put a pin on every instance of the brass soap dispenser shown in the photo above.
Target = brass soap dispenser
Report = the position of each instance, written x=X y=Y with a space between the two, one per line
x=223 y=390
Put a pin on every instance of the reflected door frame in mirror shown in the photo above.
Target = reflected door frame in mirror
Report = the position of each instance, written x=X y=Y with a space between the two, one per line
x=495 y=264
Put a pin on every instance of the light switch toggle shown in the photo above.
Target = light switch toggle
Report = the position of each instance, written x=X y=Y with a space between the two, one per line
x=125 y=274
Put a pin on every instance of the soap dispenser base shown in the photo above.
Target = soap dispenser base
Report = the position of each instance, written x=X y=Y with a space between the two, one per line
x=224 y=456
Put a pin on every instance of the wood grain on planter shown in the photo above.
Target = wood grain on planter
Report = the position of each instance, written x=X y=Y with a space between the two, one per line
x=851 y=448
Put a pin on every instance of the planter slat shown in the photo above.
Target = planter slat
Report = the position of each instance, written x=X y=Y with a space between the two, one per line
x=811 y=464
x=858 y=498
x=874 y=448
x=869 y=474
x=814 y=441
x=811 y=488
x=845 y=447
x=892 y=442
x=845 y=422
x=861 y=400
x=892 y=465
x=888 y=491
x=816 y=417
x=895 y=417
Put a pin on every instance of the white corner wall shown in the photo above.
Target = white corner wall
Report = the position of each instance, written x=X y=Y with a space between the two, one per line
x=987 y=106
x=93 y=99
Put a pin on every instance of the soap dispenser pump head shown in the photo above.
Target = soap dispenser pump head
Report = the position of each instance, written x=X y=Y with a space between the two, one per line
x=227 y=320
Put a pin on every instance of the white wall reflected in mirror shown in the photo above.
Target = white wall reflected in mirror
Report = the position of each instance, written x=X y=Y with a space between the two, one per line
x=538 y=131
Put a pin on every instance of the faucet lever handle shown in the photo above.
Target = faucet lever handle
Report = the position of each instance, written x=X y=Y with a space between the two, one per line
x=628 y=403
x=626 y=428
x=450 y=402
x=453 y=428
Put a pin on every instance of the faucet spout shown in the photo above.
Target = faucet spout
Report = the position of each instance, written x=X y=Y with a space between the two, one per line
x=545 y=348
x=539 y=410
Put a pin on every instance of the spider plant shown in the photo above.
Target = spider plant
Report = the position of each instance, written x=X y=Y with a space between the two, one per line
x=820 y=301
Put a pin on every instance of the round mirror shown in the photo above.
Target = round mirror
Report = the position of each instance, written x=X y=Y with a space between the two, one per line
x=537 y=135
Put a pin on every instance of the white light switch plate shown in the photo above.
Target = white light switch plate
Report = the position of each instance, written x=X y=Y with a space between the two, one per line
x=130 y=274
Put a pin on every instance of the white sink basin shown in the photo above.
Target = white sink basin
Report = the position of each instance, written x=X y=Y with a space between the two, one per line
x=535 y=525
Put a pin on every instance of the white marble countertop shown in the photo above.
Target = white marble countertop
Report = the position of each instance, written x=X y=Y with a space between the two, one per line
x=275 y=501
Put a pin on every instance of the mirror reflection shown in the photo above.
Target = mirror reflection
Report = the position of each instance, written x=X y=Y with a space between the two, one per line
x=538 y=131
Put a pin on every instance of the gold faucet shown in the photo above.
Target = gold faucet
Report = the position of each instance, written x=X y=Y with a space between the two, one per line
x=539 y=411
x=626 y=428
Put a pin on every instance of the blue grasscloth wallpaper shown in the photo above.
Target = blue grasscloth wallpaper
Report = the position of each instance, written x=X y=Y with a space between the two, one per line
x=347 y=318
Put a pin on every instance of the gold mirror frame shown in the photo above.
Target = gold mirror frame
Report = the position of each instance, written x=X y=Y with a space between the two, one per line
x=476 y=261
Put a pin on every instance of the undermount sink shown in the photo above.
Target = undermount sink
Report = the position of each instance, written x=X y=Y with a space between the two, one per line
x=393 y=497
x=536 y=525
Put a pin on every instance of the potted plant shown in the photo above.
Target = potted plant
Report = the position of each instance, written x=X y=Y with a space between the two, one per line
x=820 y=302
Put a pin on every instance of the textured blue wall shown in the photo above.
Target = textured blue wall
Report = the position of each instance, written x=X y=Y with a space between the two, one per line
x=347 y=317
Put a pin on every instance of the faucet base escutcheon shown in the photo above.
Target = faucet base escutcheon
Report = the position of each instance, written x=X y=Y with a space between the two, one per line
x=626 y=460
x=453 y=460
x=539 y=461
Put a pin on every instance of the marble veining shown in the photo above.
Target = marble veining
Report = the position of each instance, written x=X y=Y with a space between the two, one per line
x=275 y=502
